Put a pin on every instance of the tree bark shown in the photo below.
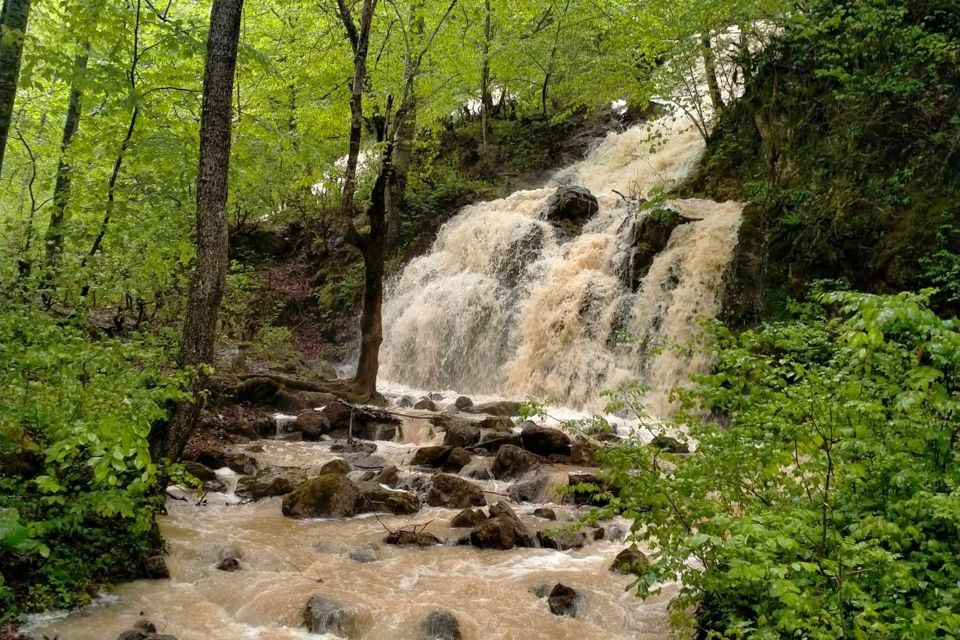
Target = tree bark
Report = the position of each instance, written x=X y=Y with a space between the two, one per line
x=360 y=42
x=373 y=250
x=210 y=269
x=13 y=30
x=61 y=189
x=710 y=68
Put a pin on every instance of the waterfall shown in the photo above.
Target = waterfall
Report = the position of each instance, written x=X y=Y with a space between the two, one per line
x=505 y=303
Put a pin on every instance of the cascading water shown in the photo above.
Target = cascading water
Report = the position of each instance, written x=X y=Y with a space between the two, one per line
x=503 y=305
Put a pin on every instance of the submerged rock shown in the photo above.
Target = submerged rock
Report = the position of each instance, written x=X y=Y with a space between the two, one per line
x=143 y=629
x=406 y=538
x=323 y=615
x=229 y=564
x=440 y=625
x=564 y=601
x=512 y=461
x=454 y=493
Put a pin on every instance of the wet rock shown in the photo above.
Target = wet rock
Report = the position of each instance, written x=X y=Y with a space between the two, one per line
x=461 y=435
x=327 y=496
x=544 y=441
x=144 y=629
x=377 y=498
x=545 y=513
x=357 y=446
x=156 y=568
x=533 y=486
x=404 y=538
x=570 y=204
x=229 y=564
x=425 y=404
x=432 y=456
x=478 y=469
x=365 y=554
x=639 y=239
x=255 y=448
x=324 y=615
x=211 y=483
x=457 y=460
x=340 y=467
x=312 y=424
x=541 y=590
x=584 y=454
x=491 y=441
x=501 y=532
x=454 y=493
x=507 y=408
x=406 y=402
x=564 y=601
x=562 y=540
x=588 y=496
x=598 y=533
x=368 y=423
x=669 y=444
x=368 y=462
x=512 y=461
x=440 y=625
x=389 y=476
x=630 y=561
x=503 y=508
x=274 y=481
x=293 y=436
x=218 y=458
x=497 y=424
x=468 y=518
x=463 y=402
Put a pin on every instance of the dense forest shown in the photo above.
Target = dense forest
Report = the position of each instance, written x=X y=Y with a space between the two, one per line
x=698 y=262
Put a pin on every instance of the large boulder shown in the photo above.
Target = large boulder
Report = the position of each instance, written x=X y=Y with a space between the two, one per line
x=501 y=532
x=463 y=402
x=425 y=404
x=440 y=625
x=640 y=238
x=368 y=423
x=457 y=460
x=454 y=493
x=431 y=456
x=561 y=539
x=378 y=498
x=325 y=616
x=569 y=207
x=512 y=461
x=274 y=481
x=544 y=441
x=491 y=441
x=533 y=486
x=311 y=423
x=211 y=483
x=338 y=466
x=218 y=458
x=327 y=496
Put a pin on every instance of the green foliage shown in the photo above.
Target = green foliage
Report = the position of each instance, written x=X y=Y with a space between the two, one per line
x=822 y=500
x=77 y=489
x=846 y=140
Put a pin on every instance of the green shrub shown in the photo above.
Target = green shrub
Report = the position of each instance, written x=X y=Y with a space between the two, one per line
x=77 y=485
x=822 y=501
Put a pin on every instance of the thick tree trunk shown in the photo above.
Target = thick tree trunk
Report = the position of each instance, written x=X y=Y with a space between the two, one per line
x=710 y=68
x=374 y=250
x=12 y=32
x=210 y=270
x=61 y=190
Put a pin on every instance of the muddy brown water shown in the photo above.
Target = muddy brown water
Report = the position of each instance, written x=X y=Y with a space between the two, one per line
x=285 y=561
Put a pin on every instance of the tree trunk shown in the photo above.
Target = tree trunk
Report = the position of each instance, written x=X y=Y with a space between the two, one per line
x=210 y=270
x=13 y=30
x=61 y=190
x=360 y=41
x=710 y=68
x=373 y=249
x=397 y=180
x=486 y=100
